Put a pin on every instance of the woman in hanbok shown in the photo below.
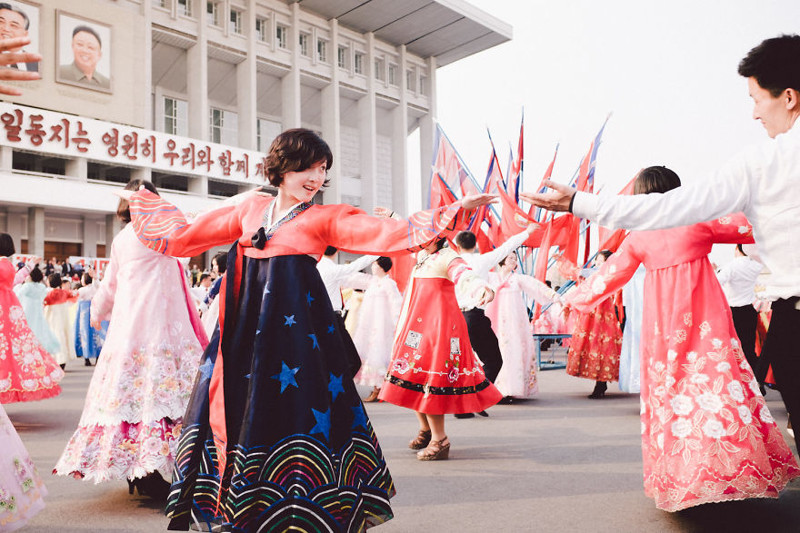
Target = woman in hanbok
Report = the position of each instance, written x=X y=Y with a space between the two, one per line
x=629 y=357
x=275 y=436
x=141 y=385
x=59 y=311
x=210 y=316
x=434 y=370
x=380 y=309
x=21 y=489
x=518 y=377
x=31 y=296
x=27 y=371
x=596 y=340
x=88 y=340
x=707 y=435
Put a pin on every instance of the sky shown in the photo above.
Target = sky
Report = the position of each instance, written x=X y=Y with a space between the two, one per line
x=665 y=70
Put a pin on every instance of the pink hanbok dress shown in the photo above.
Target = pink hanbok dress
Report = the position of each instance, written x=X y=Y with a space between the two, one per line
x=509 y=315
x=707 y=435
x=374 y=334
x=141 y=386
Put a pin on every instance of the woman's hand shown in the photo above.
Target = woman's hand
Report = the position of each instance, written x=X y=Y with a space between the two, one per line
x=557 y=200
x=471 y=201
x=486 y=297
x=12 y=58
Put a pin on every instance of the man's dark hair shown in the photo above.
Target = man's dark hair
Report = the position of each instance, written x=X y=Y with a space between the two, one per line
x=36 y=274
x=222 y=262
x=9 y=7
x=86 y=278
x=296 y=150
x=54 y=280
x=385 y=263
x=741 y=250
x=89 y=30
x=656 y=179
x=605 y=253
x=123 y=208
x=330 y=250
x=775 y=64
x=466 y=240
x=7 y=247
x=204 y=276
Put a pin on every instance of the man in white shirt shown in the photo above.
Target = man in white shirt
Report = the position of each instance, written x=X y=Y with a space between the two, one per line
x=481 y=336
x=200 y=292
x=763 y=182
x=738 y=280
x=335 y=277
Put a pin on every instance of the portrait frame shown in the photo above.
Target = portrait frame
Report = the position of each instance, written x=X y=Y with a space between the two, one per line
x=32 y=11
x=67 y=70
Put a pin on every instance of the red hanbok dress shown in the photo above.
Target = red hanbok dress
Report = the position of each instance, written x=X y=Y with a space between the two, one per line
x=707 y=435
x=27 y=371
x=433 y=368
x=596 y=336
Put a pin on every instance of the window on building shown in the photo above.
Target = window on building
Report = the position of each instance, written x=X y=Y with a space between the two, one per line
x=262 y=29
x=411 y=80
x=160 y=3
x=212 y=8
x=423 y=85
x=322 y=50
x=303 y=43
x=380 y=69
x=176 y=117
x=281 y=34
x=266 y=131
x=393 y=75
x=223 y=127
x=185 y=8
x=342 y=57
x=235 y=25
x=358 y=63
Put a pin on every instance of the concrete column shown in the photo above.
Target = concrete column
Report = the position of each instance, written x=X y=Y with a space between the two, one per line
x=246 y=84
x=77 y=168
x=113 y=226
x=198 y=185
x=6 y=157
x=36 y=231
x=400 y=142
x=142 y=173
x=290 y=84
x=146 y=98
x=14 y=227
x=368 y=132
x=89 y=237
x=427 y=127
x=197 y=79
x=331 y=122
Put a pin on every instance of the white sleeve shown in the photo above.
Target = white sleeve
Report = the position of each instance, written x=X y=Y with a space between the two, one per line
x=357 y=265
x=490 y=259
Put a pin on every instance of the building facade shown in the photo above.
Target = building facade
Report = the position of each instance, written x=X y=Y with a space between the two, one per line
x=190 y=93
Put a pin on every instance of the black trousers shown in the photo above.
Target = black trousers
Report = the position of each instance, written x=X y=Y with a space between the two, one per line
x=484 y=342
x=780 y=350
x=745 y=320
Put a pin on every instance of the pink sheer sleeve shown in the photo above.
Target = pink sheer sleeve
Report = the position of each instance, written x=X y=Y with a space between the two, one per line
x=537 y=290
x=103 y=301
x=611 y=277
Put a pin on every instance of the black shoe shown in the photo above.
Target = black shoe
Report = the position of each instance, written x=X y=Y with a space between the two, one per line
x=507 y=400
x=464 y=415
x=86 y=362
x=483 y=413
x=763 y=389
x=63 y=366
x=599 y=391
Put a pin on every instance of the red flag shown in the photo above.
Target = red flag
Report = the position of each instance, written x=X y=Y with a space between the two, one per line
x=440 y=194
x=536 y=212
x=515 y=176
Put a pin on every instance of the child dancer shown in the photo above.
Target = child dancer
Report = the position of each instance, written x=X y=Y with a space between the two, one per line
x=88 y=340
x=707 y=435
x=59 y=314
x=31 y=296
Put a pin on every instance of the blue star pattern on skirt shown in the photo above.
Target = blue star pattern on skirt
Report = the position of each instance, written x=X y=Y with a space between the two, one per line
x=315 y=343
x=331 y=329
x=290 y=321
x=309 y=298
x=206 y=369
x=323 y=422
x=286 y=377
x=335 y=386
x=359 y=417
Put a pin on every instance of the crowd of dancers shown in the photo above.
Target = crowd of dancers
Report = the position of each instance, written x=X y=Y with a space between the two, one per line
x=178 y=409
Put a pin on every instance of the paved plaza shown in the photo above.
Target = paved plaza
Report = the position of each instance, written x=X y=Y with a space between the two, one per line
x=560 y=463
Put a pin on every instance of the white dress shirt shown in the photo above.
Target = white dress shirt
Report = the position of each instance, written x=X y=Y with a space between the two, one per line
x=763 y=182
x=336 y=276
x=481 y=264
x=738 y=280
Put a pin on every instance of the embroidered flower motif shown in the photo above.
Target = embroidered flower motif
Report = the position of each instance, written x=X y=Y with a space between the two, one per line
x=708 y=401
x=723 y=366
x=687 y=319
x=714 y=429
x=691 y=357
x=724 y=220
x=699 y=379
x=753 y=384
x=745 y=414
x=735 y=342
x=744 y=230
x=660 y=441
x=736 y=391
x=681 y=405
x=680 y=336
x=453 y=374
x=705 y=329
x=401 y=366
x=716 y=343
x=681 y=428
x=765 y=415
x=671 y=355
x=669 y=382
x=659 y=366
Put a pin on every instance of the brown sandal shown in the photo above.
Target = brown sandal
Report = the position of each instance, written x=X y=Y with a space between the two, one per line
x=373 y=396
x=437 y=450
x=421 y=440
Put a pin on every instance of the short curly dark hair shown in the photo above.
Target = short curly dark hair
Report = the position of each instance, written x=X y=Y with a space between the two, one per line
x=296 y=150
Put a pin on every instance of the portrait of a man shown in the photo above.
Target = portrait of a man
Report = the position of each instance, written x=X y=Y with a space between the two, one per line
x=18 y=20
x=84 y=53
